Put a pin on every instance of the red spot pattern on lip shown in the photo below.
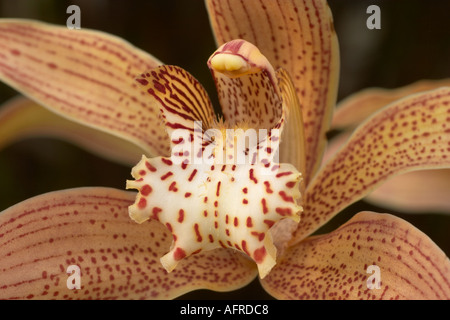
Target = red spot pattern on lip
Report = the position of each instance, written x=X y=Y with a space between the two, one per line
x=193 y=173
x=269 y=223
x=285 y=196
x=259 y=235
x=218 y=189
x=149 y=166
x=206 y=194
x=142 y=203
x=167 y=175
x=179 y=254
x=290 y=184
x=282 y=174
x=173 y=187
x=265 y=210
x=244 y=247
x=181 y=216
x=197 y=233
x=259 y=254
x=284 y=211
x=156 y=210
x=268 y=189
x=146 y=189
x=252 y=177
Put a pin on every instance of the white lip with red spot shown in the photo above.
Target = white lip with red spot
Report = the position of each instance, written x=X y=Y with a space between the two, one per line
x=212 y=206
x=224 y=202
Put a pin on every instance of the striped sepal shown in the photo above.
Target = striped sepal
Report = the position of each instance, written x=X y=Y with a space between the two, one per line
x=86 y=76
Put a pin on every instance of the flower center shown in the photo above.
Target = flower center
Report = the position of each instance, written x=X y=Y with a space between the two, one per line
x=223 y=187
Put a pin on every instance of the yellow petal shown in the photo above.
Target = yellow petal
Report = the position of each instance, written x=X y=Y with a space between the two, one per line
x=42 y=237
x=354 y=109
x=22 y=118
x=299 y=37
x=84 y=75
x=411 y=134
x=346 y=264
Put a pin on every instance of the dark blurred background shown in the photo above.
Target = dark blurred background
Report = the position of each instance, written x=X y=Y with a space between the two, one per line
x=413 y=44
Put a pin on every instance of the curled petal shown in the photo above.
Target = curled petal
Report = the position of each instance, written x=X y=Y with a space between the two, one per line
x=180 y=97
x=372 y=256
x=42 y=237
x=247 y=85
x=185 y=108
x=411 y=134
x=22 y=118
x=84 y=75
x=297 y=36
x=354 y=109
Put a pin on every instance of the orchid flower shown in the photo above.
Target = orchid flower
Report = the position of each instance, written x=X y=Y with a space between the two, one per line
x=215 y=225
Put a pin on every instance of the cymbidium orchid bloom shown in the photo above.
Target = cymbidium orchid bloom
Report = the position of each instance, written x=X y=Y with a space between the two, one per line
x=203 y=219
